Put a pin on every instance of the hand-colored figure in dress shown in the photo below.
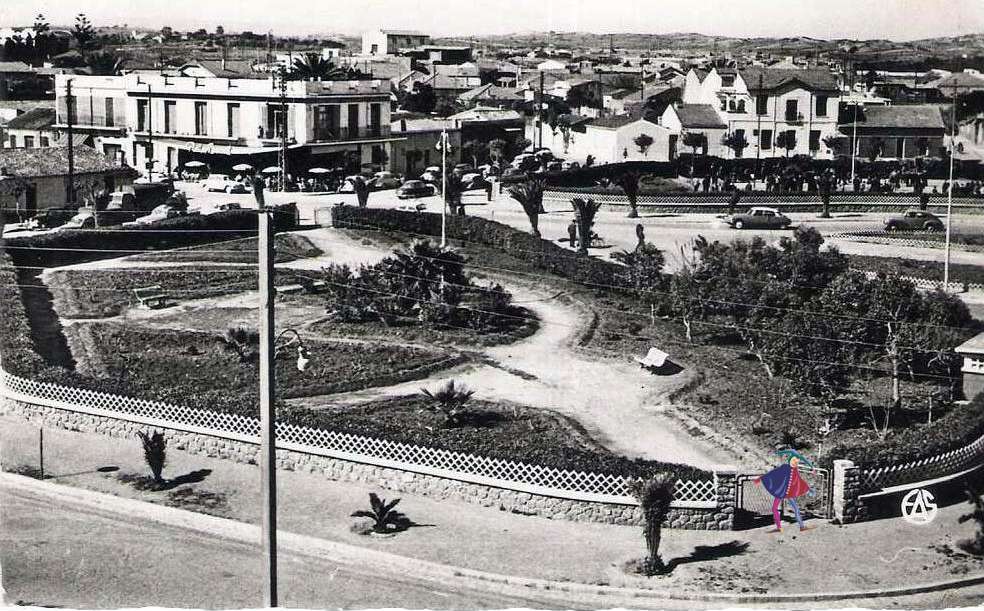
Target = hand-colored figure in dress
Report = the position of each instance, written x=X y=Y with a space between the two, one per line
x=785 y=482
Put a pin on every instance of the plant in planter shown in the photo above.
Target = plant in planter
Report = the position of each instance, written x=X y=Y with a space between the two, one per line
x=654 y=495
x=385 y=519
x=155 y=453
x=449 y=400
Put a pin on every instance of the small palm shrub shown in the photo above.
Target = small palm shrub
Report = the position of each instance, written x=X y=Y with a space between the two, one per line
x=529 y=194
x=654 y=495
x=584 y=215
x=155 y=453
x=449 y=400
x=385 y=519
x=243 y=342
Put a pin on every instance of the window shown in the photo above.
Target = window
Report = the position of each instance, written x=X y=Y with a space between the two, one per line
x=28 y=142
x=761 y=105
x=814 y=140
x=142 y=115
x=739 y=136
x=13 y=142
x=792 y=110
x=821 y=106
x=765 y=140
x=374 y=50
x=110 y=115
x=375 y=118
x=741 y=106
x=727 y=80
x=232 y=120
x=201 y=118
x=45 y=143
x=170 y=117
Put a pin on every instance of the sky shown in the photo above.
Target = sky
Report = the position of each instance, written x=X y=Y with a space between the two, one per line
x=858 y=19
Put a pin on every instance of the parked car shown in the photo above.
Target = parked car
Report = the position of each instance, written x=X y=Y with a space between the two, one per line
x=914 y=220
x=569 y=165
x=414 y=188
x=474 y=181
x=759 y=218
x=84 y=219
x=431 y=175
x=223 y=183
x=157 y=214
x=348 y=185
x=464 y=168
x=384 y=180
x=511 y=171
x=228 y=206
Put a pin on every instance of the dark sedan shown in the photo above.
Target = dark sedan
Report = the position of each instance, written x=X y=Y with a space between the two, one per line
x=759 y=218
x=414 y=188
x=914 y=220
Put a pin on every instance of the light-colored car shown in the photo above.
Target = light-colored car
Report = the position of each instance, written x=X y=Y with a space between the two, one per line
x=348 y=185
x=759 y=217
x=413 y=189
x=385 y=180
x=223 y=183
x=157 y=214
x=85 y=219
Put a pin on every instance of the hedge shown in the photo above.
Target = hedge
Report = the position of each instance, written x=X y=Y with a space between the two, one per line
x=69 y=246
x=542 y=254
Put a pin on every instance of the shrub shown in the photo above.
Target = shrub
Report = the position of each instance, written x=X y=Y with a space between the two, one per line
x=155 y=453
x=654 y=495
x=385 y=519
x=449 y=401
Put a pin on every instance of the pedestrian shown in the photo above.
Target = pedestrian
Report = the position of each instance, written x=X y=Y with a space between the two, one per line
x=733 y=200
x=572 y=234
x=785 y=483
x=488 y=190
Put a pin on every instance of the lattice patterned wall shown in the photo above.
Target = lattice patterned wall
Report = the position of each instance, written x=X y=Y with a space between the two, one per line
x=947 y=463
x=453 y=465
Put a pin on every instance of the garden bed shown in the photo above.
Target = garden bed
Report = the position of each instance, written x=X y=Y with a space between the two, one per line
x=288 y=247
x=193 y=368
x=926 y=270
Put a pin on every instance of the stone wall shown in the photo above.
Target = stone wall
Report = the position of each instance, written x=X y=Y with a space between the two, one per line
x=847 y=506
x=718 y=517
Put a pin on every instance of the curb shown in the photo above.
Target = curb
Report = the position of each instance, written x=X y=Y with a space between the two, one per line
x=422 y=569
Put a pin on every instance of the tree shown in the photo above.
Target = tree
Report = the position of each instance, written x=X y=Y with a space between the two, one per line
x=654 y=495
x=835 y=142
x=735 y=141
x=643 y=141
x=219 y=31
x=498 y=149
x=529 y=194
x=104 y=63
x=243 y=342
x=449 y=400
x=41 y=25
x=476 y=150
x=314 y=66
x=644 y=267
x=155 y=453
x=629 y=181
x=875 y=147
x=786 y=140
x=694 y=140
x=584 y=215
x=83 y=32
x=420 y=99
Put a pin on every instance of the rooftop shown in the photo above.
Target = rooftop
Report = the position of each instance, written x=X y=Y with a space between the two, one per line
x=18 y=67
x=923 y=116
x=699 y=115
x=43 y=162
x=774 y=78
x=617 y=121
x=36 y=118
x=480 y=113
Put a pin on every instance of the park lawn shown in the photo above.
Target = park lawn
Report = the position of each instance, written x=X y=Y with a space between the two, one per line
x=288 y=247
x=193 y=369
x=103 y=293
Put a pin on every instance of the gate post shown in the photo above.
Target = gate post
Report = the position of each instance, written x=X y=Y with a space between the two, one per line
x=846 y=488
x=726 y=496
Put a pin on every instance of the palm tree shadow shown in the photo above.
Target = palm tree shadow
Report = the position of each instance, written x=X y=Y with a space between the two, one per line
x=705 y=553
x=194 y=477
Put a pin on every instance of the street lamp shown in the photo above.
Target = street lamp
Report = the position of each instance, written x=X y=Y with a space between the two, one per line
x=443 y=146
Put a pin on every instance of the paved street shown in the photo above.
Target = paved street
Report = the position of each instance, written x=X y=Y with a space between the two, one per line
x=60 y=556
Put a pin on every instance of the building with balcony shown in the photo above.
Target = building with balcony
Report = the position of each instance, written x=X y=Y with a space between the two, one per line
x=764 y=102
x=158 y=123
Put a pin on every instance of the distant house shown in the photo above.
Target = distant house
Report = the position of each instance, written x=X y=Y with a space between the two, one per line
x=32 y=129
x=392 y=42
x=416 y=147
x=41 y=176
x=608 y=140
x=697 y=118
x=492 y=95
x=551 y=65
x=332 y=49
x=15 y=79
x=897 y=132
x=221 y=68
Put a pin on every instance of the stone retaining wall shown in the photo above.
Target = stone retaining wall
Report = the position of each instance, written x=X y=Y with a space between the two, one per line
x=709 y=516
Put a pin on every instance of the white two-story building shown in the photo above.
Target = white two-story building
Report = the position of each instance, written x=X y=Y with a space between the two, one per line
x=158 y=123
x=762 y=103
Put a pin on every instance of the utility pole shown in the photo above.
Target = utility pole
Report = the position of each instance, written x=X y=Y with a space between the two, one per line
x=854 y=140
x=150 y=133
x=444 y=186
x=70 y=121
x=268 y=423
x=539 y=113
x=949 y=188
x=758 y=145
x=283 y=131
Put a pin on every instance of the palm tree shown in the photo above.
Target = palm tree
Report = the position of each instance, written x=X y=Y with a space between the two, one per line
x=529 y=194
x=450 y=401
x=654 y=495
x=104 y=63
x=630 y=184
x=584 y=214
x=243 y=342
x=155 y=453
x=313 y=66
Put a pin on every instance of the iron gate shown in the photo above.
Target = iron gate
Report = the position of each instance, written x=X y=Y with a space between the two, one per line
x=755 y=504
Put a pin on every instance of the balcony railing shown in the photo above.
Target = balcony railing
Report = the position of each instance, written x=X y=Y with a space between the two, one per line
x=343 y=134
x=794 y=117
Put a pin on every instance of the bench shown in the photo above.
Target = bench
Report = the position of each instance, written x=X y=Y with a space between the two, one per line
x=151 y=297
x=654 y=359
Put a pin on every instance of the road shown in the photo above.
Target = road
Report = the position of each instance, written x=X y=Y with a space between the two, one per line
x=57 y=555
x=669 y=232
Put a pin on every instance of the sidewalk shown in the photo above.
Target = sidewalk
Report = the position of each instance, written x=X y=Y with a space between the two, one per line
x=877 y=555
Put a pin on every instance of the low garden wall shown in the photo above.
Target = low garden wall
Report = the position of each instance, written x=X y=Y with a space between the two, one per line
x=508 y=485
